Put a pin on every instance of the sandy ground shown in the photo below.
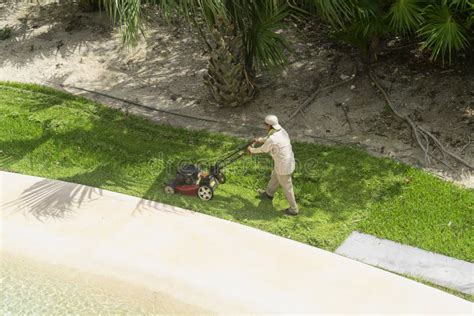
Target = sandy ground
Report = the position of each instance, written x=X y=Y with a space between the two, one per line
x=63 y=45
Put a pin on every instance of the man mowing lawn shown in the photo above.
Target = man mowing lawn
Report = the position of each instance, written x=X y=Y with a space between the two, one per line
x=278 y=144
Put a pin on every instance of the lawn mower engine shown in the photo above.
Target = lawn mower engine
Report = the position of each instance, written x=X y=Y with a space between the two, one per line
x=191 y=180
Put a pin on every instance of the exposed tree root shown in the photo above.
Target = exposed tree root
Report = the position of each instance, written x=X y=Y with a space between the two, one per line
x=346 y=110
x=467 y=145
x=310 y=99
x=426 y=140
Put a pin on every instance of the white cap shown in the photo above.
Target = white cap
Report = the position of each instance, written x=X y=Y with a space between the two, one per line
x=272 y=120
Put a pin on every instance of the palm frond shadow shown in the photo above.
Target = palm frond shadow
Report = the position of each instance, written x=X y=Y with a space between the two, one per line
x=48 y=199
x=145 y=206
x=150 y=199
x=6 y=161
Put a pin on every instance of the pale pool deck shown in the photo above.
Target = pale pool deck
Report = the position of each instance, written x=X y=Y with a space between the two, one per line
x=197 y=259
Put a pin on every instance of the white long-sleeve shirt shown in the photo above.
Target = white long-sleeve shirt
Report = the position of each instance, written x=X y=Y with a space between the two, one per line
x=278 y=144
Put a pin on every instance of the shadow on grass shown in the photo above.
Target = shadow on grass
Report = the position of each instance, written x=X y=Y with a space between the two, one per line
x=155 y=194
x=105 y=150
x=79 y=141
x=345 y=180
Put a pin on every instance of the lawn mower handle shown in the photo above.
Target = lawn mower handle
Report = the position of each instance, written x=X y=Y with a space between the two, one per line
x=233 y=156
x=243 y=147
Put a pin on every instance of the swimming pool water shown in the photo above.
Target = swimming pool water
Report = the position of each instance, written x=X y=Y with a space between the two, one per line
x=28 y=287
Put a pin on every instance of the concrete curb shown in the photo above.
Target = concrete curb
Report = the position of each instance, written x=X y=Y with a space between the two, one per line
x=439 y=269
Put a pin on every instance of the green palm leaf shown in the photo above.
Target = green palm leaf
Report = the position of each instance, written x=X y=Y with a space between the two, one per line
x=405 y=15
x=460 y=4
x=336 y=12
x=127 y=15
x=442 y=33
x=263 y=43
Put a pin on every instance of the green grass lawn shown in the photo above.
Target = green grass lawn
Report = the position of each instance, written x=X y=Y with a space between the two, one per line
x=48 y=133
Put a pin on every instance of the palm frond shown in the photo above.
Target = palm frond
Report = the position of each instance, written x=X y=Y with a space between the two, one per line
x=461 y=4
x=442 y=33
x=263 y=43
x=127 y=15
x=336 y=12
x=405 y=15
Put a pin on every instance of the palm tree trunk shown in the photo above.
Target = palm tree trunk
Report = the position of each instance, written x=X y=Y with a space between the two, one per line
x=228 y=79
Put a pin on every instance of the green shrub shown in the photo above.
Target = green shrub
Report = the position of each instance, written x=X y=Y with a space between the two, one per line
x=5 y=33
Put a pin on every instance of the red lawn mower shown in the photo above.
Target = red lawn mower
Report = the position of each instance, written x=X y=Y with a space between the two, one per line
x=191 y=180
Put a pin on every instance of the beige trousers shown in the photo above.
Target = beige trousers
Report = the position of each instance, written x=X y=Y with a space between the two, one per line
x=287 y=185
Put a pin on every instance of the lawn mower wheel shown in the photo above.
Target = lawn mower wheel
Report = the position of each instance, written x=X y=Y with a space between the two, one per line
x=205 y=193
x=169 y=189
